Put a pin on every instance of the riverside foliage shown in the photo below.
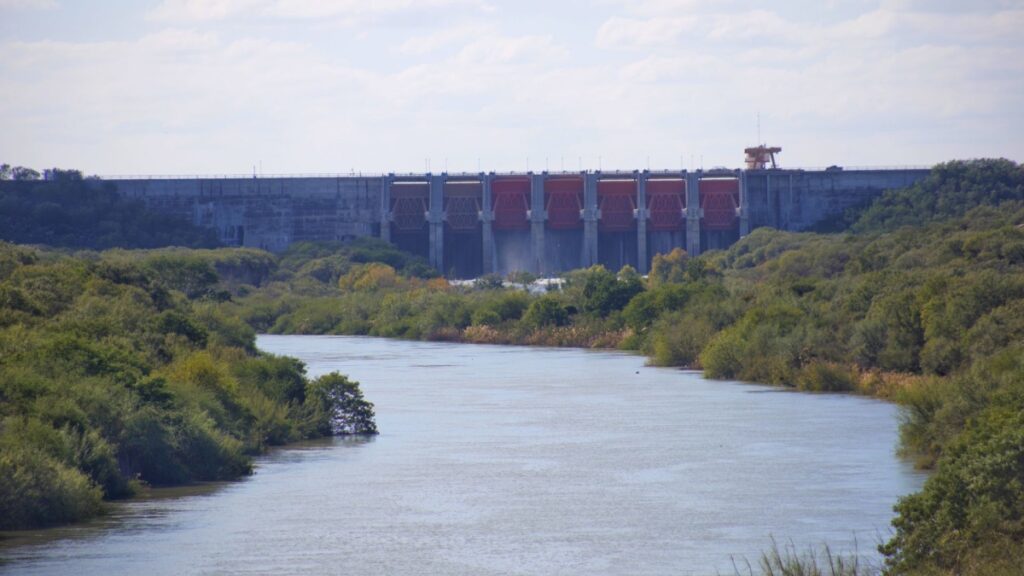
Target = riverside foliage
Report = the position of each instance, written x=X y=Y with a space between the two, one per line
x=119 y=369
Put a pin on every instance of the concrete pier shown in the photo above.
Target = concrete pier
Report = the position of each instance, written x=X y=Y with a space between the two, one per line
x=590 y=215
x=385 y=207
x=538 y=216
x=744 y=206
x=641 y=221
x=693 y=213
x=487 y=225
x=435 y=220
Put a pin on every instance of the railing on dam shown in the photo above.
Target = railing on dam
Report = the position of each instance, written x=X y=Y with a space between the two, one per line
x=238 y=176
x=359 y=174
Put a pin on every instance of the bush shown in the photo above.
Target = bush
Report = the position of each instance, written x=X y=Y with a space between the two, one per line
x=546 y=311
x=37 y=490
x=722 y=356
x=678 y=339
x=826 y=377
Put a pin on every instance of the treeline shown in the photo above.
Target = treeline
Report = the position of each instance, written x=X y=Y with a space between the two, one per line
x=67 y=210
x=118 y=369
x=923 y=304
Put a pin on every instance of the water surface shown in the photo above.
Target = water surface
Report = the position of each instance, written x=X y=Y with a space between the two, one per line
x=510 y=460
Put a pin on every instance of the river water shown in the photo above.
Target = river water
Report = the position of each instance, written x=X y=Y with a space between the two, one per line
x=510 y=460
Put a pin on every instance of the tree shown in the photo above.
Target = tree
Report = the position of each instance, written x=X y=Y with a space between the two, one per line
x=370 y=277
x=669 y=267
x=339 y=406
x=21 y=174
x=546 y=311
x=603 y=292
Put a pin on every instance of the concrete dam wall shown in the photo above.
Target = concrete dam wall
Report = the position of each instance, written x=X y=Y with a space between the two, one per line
x=471 y=224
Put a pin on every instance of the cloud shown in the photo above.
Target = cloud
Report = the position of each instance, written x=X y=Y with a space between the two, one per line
x=671 y=7
x=215 y=10
x=494 y=50
x=618 y=32
x=443 y=38
x=28 y=4
x=673 y=68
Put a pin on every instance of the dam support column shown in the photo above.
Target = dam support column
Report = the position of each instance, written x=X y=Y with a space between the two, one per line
x=385 y=207
x=744 y=205
x=641 y=221
x=693 y=213
x=486 y=223
x=591 y=213
x=435 y=219
x=538 y=216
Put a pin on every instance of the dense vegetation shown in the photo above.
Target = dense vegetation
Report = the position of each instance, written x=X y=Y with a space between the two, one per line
x=68 y=210
x=119 y=369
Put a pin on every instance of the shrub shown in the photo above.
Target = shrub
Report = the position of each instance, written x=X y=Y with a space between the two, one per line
x=826 y=377
x=38 y=490
x=546 y=311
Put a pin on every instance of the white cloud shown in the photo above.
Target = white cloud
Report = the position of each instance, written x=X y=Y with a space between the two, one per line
x=672 y=7
x=618 y=32
x=755 y=24
x=212 y=10
x=494 y=50
x=686 y=65
x=28 y=4
x=445 y=37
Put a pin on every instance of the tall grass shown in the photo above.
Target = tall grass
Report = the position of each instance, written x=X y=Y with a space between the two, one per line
x=787 y=561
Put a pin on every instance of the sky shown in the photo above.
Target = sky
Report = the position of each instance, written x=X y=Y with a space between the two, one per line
x=180 y=87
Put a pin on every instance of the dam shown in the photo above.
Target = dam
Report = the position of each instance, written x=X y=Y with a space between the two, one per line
x=470 y=224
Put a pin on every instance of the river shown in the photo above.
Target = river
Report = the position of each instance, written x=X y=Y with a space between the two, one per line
x=512 y=460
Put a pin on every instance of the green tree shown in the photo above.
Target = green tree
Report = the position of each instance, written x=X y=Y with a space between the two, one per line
x=671 y=267
x=339 y=407
x=546 y=311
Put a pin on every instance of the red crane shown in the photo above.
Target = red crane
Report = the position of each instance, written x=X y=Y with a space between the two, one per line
x=760 y=156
